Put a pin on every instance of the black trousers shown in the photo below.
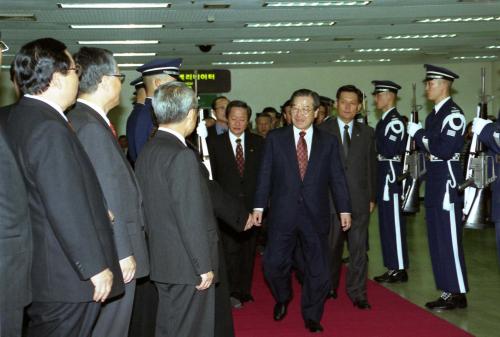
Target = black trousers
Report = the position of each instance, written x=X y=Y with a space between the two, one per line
x=142 y=323
x=56 y=319
x=11 y=322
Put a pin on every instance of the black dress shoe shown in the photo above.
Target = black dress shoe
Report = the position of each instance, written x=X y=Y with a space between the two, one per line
x=313 y=326
x=392 y=276
x=332 y=294
x=448 y=301
x=362 y=304
x=279 y=311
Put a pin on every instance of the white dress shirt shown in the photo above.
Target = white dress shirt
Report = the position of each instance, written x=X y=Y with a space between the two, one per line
x=341 y=128
x=440 y=104
x=308 y=138
x=175 y=133
x=96 y=108
x=55 y=106
x=232 y=139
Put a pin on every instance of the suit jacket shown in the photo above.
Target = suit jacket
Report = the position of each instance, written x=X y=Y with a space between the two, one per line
x=490 y=136
x=118 y=183
x=16 y=247
x=4 y=115
x=360 y=165
x=131 y=125
x=279 y=180
x=143 y=126
x=72 y=234
x=225 y=170
x=181 y=228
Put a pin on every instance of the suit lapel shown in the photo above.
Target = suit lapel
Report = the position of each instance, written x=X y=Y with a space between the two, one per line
x=291 y=151
x=315 y=152
x=228 y=148
x=355 y=139
x=249 y=151
x=336 y=131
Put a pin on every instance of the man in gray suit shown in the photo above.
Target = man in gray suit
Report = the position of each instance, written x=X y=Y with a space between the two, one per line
x=16 y=246
x=99 y=92
x=359 y=161
x=182 y=229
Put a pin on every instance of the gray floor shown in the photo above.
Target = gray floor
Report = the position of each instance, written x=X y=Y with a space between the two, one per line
x=482 y=317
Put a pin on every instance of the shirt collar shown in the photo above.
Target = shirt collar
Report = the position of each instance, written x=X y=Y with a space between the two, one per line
x=175 y=133
x=233 y=137
x=95 y=107
x=54 y=105
x=308 y=131
x=441 y=103
x=387 y=112
x=341 y=124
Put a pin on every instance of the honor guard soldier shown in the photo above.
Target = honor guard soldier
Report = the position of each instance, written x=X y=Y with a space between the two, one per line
x=154 y=74
x=390 y=145
x=489 y=134
x=140 y=96
x=442 y=139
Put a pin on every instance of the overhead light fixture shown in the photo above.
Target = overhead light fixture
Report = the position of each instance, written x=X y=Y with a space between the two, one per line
x=478 y=57
x=378 y=50
x=121 y=42
x=131 y=26
x=360 y=60
x=315 y=3
x=133 y=54
x=17 y=17
x=493 y=47
x=216 y=6
x=242 y=63
x=418 y=36
x=117 y=5
x=129 y=65
x=260 y=52
x=465 y=19
x=298 y=39
x=289 y=24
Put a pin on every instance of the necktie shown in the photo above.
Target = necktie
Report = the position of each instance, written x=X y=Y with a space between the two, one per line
x=347 y=140
x=302 y=154
x=240 y=160
x=113 y=130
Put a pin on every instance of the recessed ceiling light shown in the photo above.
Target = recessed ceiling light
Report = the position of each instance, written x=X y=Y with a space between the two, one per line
x=377 y=50
x=114 y=5
x=216 y=6
x=17 y=17
x=478 y=57
x=131 y=26
x=465 y=19
x=133 y=54
x=298 y=39
x=418 y=36
x=361 y=60
x=493 y=47
x=121 y=42
x=315 y=3
x=129 y=65
x=289 y=24
x=242 y=63
x=260 y=52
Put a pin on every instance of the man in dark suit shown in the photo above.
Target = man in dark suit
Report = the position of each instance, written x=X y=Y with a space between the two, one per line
x=359 y=162
x=75 y=266
x=16 y=247
x=235 y=157
x=182 y=229
x=99 y=92
x=300 y=168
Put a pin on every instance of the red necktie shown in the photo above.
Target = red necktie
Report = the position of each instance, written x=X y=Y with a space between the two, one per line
x=240 y=160
x=113 y=130
x=302 y=154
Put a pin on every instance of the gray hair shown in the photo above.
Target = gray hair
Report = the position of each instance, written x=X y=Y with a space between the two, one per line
x=94 y=63
x=172 y=101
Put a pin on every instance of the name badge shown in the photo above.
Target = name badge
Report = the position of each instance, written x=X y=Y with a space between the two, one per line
x=451 y=133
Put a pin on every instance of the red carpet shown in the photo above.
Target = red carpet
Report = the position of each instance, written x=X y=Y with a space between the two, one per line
x=391 y=316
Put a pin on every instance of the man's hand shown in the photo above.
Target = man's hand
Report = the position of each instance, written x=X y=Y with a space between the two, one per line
x=102 y=284
x=111 y=216
x=478 y=125
x=128 y=267
x=345 y=221
x=206 y=280
x=413 y=128
x=257 y=217
x=201 y=129
x=250 y=223
x=372 y=206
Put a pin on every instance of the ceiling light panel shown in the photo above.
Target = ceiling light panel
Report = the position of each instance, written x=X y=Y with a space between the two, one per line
x=297 y=39
x=289 y=24
x=255 y=52
x=315 y=3
x=465 y=19
x=121 y=42
x=478 y=57
x=131 y=26
x=117 y=5
x=418 y=36
x=129 y=65
x=493 y=47
x=380 y=50
x=360 y=60
x=242 y=63
x=133 y=54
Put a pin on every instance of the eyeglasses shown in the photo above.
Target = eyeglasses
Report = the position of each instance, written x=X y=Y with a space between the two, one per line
x=77 y=69
x=306 y=111
x=3 y=46
x=120 y=76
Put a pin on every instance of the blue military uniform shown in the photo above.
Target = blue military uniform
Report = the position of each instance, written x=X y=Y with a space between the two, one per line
x=144 y=122
x=390 y=139
x=132 y=121
x=442 y=140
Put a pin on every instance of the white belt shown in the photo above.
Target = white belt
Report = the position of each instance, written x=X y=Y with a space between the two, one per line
x=395 y=158
x=456 y=157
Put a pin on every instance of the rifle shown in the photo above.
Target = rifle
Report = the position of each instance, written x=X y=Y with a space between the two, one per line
x=202 y=142
x=476 y=176
x=362 y=117
x=413 y=166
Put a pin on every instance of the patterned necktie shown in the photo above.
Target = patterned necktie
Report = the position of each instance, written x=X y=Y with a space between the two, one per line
x=240 y=160
x=347 y=140
x=302 y=154
x=113 y=130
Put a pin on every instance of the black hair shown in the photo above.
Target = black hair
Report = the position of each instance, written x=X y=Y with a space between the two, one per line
x=94 y=64
x=307 y=93
x=350 y=88
x=238 y=104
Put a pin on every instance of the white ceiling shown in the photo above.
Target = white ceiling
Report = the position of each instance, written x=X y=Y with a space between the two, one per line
x=186 y=25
